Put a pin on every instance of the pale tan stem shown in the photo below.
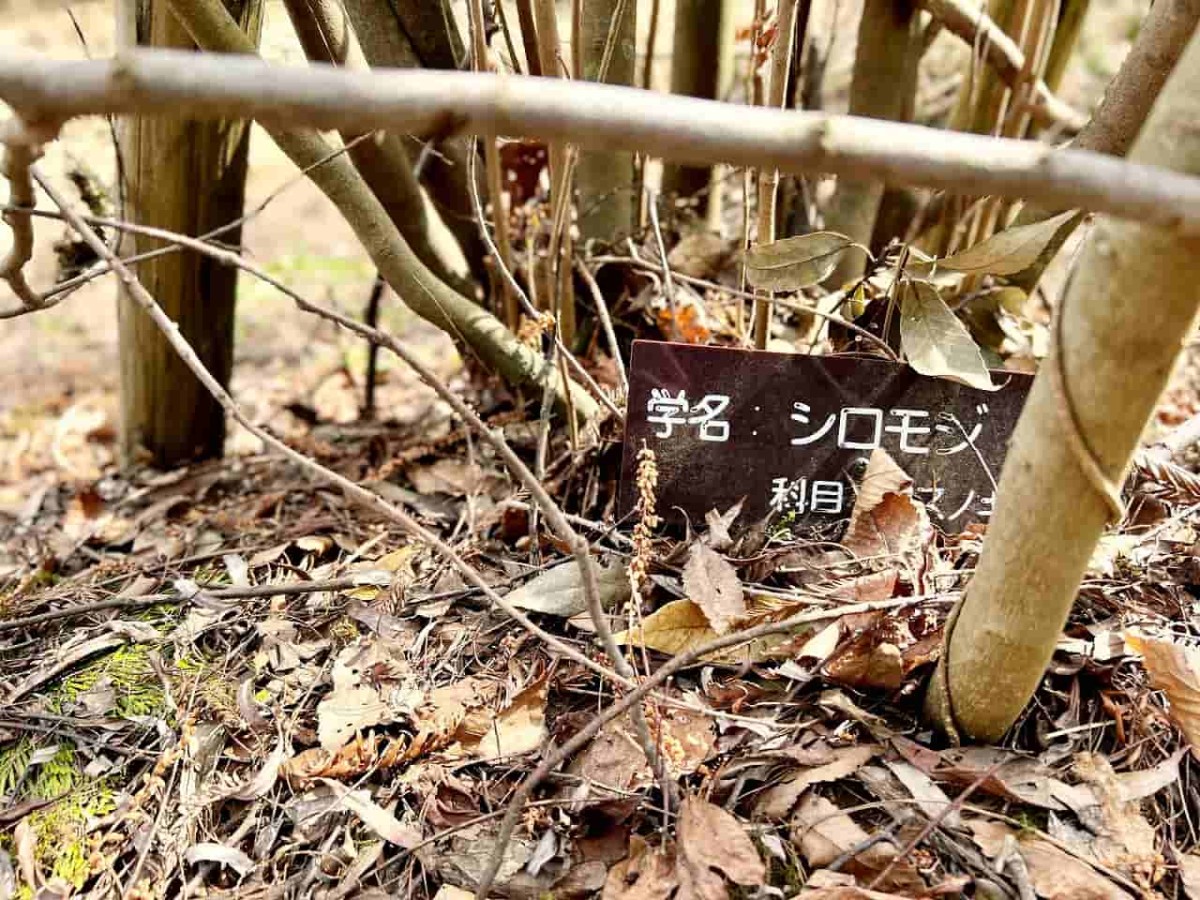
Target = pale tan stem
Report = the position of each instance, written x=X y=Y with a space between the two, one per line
x=172 y=84
x=768 y=178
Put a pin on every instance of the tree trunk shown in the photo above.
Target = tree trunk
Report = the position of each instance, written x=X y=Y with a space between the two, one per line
x=327 y=36
x=1122 y=322
x=188 y=177
x=695 y=72
x=1127 y=101
x=605 y=180
x=498 y=348
x=381 y=29
x=884 y=86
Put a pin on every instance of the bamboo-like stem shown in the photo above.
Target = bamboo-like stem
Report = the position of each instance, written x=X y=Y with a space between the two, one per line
x=768 y=178
x=695 y=72
x=327 y=36
x=883 y=86
x=529 y=40
x=495 y=176
x=1066 y=36
x=606 y=52
x=977 y=28
x=549 y=52
x=177 y=84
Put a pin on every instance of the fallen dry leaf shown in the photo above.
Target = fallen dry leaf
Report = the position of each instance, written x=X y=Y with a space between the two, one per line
x=644 y=874
x=371 y=686
x=680 y=626
x=1055 y=874
x=777 y=801
x=883 y=475
x=1124 y=838
x=446 y=710
x=518 y=728
x=359 y=755
x=711 y=840
x=889 y=528
x=559 y=591
x=615 y=758
x=826 y=885
x=823 y=834
x=375 y=817
x=1175 y=670
x=713 y=585
x=264 y=779
x=208 y=851
x=932 y=800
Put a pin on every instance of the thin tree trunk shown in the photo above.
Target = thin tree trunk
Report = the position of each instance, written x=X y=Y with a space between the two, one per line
x=1066 y=36
x=431 y=28
x=884 y=86
x=605 y=180
x=188 y=177
x=694 y=73
x=1127 y=102
x=327 y=36
x=380 y=27
x=529 y=38
x=1122 y=323
x=420 y=289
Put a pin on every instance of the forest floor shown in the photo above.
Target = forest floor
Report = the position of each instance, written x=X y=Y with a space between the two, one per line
x=230 y=681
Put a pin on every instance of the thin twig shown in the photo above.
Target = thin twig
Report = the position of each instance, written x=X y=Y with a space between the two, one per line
x=554 y=515
x=668 y=281
x=102 y=268
x=974 y=26
x=356 y=492
x=610 y=334
x=523 y=299
x=231 y=593
x=630 y=700
x=495 y=179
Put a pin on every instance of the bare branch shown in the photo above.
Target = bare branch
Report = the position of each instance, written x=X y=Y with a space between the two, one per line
x=669 y=668
x=1127 y=100
x=356 y=492
x=213 y=29
x=602 y=116
x=610 y=333
x=20 y=150
x=975 y=27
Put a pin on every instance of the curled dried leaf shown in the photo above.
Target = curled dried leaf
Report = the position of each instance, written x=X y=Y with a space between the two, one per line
x=1010 y=251
x=935 y=341
x=796 y=262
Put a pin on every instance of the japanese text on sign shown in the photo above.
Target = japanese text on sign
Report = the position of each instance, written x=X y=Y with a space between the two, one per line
x=721 y=417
